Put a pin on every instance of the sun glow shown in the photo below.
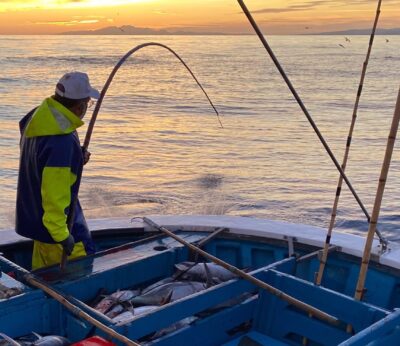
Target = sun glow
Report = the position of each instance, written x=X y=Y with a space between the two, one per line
x=206 y=16
x=57 y=4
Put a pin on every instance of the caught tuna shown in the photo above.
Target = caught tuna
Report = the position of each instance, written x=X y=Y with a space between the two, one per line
x=157 y=284
x=6 y=292
x=127 y=315
x=168 y=292
x=115 y=311
x=107 y=303
x=124 y=317
x=203 y=272
x=8 y=341
x=142 y=310
x=52 y=340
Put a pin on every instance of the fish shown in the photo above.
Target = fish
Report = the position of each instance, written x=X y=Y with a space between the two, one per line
x=142 y=310
x=52 y=340
x=115 y=311
x=202 y=272
x=127 y=315
x=49 y=340
x=168 y=292
x=8 y=341
x=157 y=284
x=124 y=317
x=107 y=303
x=8 y=292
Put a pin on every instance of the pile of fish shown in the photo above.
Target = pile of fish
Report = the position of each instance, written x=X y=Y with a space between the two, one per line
x=34 y=340
x=189 y=278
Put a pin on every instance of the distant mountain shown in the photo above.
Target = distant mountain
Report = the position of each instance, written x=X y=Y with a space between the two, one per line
x=133 y=30
x=394 y=31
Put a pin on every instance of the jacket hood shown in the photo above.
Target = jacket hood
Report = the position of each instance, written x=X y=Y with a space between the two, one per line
x=52 y=118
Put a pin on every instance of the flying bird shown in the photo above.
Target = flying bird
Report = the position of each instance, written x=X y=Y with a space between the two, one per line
x=341 y=45
x=387 y=40
x=347 y=39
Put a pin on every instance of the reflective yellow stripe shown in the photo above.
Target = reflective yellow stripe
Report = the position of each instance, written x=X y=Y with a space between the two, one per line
x=56 y=197
x=48 y=254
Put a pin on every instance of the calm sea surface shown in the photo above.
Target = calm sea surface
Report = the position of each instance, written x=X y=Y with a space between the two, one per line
x=157 y=147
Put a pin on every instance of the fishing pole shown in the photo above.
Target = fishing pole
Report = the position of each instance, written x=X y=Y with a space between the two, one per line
x=324 y=256
x=70 y=217
x=378 y=200
x=304 y=109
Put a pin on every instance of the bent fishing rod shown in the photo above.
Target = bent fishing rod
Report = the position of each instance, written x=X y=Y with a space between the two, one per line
x=307 y=114
x=70 y=218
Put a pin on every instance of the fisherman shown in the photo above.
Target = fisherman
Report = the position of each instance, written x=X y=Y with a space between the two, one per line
x=50 y=162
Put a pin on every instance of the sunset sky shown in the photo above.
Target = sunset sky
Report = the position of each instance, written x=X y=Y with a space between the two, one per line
x=274 y=16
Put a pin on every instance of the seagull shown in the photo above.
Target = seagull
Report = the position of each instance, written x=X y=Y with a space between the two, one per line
x=347 y=39
x=341 y=45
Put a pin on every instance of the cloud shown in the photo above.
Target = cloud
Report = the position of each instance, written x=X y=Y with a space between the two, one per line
x=50 y=4
x=293 y=8
x=315 y=3
x=68 y=22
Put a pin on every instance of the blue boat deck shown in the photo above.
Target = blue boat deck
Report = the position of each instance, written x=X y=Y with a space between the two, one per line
x=259 y=319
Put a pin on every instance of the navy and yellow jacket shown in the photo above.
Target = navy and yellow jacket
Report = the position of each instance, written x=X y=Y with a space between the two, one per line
x=51 y=158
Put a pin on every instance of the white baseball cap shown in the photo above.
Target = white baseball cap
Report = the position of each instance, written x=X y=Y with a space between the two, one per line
x=76 y=86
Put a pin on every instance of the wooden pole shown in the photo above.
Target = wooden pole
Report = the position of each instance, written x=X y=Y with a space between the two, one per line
x=324 y=256
x=278 y=293
x=302 y=106
x=77 y=311
x=378 y=200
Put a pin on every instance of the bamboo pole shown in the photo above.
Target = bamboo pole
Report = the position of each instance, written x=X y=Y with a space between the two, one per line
x=324 y=256
x=78 y=312
x=70 y=218
x=303 y=107
x=378 y=200
x=278 y=293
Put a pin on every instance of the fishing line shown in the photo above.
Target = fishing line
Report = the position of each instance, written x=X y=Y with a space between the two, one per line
x=305 y=111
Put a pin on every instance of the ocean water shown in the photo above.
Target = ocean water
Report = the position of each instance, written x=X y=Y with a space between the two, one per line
x=157 y=146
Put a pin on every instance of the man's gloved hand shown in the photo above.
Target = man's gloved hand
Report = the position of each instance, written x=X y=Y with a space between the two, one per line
x=68 y=244
x=86 y=155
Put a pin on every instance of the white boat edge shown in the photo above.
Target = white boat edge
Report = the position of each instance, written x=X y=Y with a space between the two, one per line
x=310 y=235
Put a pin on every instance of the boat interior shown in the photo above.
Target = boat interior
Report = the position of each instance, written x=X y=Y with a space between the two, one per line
x=235 y=312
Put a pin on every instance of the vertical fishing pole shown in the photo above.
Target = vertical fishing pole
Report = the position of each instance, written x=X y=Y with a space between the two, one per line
x=378 y=200
x=324 y=256
x=70 y=218
x=303 y=107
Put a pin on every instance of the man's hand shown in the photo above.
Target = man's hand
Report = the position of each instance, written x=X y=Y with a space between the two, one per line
x=68 y=244
x=86 y=155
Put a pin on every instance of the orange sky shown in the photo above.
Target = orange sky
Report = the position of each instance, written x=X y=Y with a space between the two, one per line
x=275 y=17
